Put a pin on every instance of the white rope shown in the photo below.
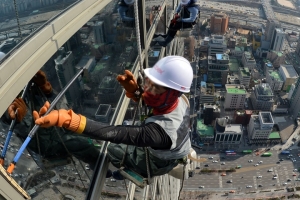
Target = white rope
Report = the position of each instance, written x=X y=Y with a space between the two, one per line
x=137 y=29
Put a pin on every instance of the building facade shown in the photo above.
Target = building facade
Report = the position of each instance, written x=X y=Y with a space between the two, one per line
x=216 y=45
x=262 y=97
x=219 y=23
x=248 y=60
x=227 y=135
x=218 y=68
x=274 y=79
x=295 y=101
x=289 y=76
x=260 y=127
x=278 y=39
x=235 y=97
x=99 y=33
x=244 y=76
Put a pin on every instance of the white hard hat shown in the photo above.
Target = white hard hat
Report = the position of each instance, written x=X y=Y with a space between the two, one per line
x=184 y=2
x=129 y=1
x=2 y=55
x=172 y=72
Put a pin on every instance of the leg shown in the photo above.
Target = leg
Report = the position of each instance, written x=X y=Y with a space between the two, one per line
x=135 y=160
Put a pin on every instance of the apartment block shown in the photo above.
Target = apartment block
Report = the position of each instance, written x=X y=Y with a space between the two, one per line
x=235 y=96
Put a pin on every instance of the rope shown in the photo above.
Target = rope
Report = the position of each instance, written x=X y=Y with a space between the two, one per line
x=17 y=16
x=137 y=29
x=183 y=173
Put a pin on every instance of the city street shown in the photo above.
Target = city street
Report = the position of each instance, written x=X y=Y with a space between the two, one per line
x=249 y=174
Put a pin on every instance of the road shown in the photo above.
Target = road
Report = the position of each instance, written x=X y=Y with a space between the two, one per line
x=249 y=172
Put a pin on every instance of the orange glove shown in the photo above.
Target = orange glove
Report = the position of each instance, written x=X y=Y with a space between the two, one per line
x=132 y=96
x=20 y=106
x=42 y=82
x=128 y=82
x=61 y=118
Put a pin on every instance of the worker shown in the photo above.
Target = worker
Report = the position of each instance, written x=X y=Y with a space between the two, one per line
x=47 y=142
x=126 y=12
x=185 y=17
x=164 y=132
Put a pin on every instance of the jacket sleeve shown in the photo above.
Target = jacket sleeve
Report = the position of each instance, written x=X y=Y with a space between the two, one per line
x=193 y=15
x=178 y=8
x=149 y=135
x=122 y=12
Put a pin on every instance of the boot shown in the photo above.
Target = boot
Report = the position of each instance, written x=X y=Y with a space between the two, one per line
x=159 y=35
x=166 y=42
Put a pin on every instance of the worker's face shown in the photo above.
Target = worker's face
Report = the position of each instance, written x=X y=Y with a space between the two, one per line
x=153 y=88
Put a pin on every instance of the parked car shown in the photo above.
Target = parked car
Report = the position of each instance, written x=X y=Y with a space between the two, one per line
x=201 y=186
x=223 y=174
x=249 y=186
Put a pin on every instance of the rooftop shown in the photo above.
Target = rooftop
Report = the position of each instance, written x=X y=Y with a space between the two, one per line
x=289 y=71
x=245 y=71
x=235 y=89
x=233 y=65
x=235 y=128
x=223 y=56
x=274 y=135
x=278 y=53
x=264 y=89
x=239 y=48
x=266 y=117
x=275 y=75
x=204 y=130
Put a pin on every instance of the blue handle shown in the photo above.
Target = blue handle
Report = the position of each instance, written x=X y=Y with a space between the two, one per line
x=22 y=148
x=9 y=134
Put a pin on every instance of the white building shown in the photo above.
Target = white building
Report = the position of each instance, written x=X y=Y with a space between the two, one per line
x=260 y=126
x=244 y=76
x=274 y=79
x=235 y=96
x=217 y=45
x=289 y=75
x=248 y=60
x=278 y=39
x=227 y=134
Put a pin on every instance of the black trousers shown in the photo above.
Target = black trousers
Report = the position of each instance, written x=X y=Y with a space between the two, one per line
x=173 y=28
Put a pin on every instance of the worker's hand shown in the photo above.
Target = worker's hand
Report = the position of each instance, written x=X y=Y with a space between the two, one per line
x=20 y=106
x=61 y=118
x=40 y=78
x=132 y=96
x=128 y=82
x=42 y=82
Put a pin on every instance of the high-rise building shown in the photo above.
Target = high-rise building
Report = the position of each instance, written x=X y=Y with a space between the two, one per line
x=219 y=23
x=248 y=60
x=218 y=68
x=99 y=32
x=260 y=127
x=244 y=76
x=262 y=97
x=235 y=96
x=278 y=39
x=65 y=70
x=295 y=101
x=289 y=75
x=217 y=45
x=271 y=25
x=274 y=79
x=298 y=47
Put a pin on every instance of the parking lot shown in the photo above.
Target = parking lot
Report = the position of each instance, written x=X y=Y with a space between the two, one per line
x=248 y=174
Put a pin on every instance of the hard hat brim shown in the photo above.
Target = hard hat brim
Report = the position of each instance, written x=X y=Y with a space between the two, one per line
x=152 y=78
